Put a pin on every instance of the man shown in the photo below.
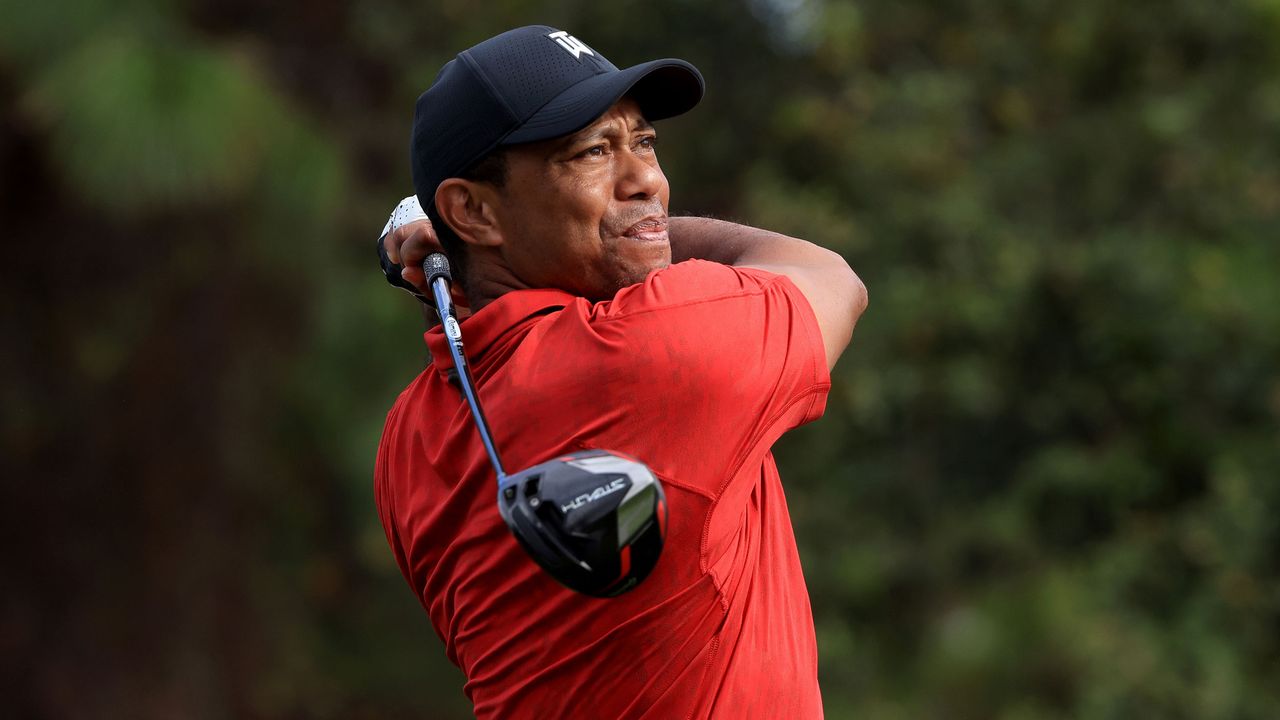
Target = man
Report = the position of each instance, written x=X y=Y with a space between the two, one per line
x=599 y=322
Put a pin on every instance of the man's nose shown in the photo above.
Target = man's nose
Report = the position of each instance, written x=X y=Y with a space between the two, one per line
x=640 y=177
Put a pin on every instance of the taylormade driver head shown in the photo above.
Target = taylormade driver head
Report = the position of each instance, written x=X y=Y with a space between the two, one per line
x=595 y=520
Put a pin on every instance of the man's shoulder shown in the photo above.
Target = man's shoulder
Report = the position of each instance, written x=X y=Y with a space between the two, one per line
x=693 y=318
x=671 y=308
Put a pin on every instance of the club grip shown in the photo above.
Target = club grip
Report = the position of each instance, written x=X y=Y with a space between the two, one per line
x=436 y=266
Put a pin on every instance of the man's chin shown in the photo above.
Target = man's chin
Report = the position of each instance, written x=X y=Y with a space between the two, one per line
x=648 y=255
x=634 y=261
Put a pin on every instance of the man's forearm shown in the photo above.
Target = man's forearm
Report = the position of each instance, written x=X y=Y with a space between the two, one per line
x=733 y=244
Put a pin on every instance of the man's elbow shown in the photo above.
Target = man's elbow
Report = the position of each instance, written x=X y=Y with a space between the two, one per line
x=855 y=292
x=848 y=300
x=860 y=297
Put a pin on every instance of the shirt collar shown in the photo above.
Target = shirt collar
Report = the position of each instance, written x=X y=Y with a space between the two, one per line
x=493 y=321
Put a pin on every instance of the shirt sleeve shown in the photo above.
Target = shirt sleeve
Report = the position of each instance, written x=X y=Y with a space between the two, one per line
x=731 y=358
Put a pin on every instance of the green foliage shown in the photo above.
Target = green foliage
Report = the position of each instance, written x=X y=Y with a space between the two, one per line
x=1045 y=485
x=168 y=124
x=1042 y=399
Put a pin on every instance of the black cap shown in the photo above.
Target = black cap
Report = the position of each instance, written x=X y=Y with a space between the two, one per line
x=528 y=84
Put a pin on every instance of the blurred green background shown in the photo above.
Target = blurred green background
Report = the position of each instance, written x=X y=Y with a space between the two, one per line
x=1047 y=482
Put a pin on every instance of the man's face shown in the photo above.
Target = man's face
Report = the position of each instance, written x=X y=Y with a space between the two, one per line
x=587 y=212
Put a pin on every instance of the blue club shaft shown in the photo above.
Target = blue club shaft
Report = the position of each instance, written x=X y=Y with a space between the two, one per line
x=452 y=331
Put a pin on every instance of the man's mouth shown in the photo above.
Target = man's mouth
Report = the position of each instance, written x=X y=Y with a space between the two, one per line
x=650 y=229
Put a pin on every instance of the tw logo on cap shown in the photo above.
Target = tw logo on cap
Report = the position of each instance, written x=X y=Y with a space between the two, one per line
x=575 y=46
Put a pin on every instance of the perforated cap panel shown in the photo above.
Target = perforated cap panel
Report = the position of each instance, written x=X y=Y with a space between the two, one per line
x=531 y=67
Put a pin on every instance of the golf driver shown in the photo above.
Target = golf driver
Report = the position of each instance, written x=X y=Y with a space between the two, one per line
x=595 y=519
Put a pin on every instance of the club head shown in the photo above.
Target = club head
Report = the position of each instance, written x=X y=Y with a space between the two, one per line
x=595 y=520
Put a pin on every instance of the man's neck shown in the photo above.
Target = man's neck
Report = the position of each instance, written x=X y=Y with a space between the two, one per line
x=487 y=280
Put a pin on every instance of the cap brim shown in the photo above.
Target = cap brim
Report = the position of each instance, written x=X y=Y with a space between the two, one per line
x=662 y=88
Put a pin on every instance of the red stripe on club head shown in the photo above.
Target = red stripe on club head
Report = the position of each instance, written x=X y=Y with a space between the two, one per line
x=624 y=560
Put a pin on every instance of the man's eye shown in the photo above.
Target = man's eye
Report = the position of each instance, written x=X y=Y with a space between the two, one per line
x=593 y=151
x=648 y=141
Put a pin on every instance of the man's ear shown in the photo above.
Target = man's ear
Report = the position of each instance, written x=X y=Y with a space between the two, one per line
x=468 y=207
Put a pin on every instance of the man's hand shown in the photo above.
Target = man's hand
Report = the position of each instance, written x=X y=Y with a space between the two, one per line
x=407 y=246
x=407 y=212
x=410 y=244
x=407 y=240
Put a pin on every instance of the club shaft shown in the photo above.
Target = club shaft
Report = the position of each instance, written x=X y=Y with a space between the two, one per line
x=444 y=306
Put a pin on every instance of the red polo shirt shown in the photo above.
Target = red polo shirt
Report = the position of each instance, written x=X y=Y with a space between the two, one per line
x=696 y=371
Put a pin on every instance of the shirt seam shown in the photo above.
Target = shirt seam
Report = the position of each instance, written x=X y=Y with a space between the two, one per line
x=711 y=657
x=808 y=393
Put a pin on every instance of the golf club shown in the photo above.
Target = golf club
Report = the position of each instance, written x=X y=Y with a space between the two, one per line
x=594 y=519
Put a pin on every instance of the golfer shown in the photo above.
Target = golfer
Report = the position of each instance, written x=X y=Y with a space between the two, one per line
x=598 y=321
